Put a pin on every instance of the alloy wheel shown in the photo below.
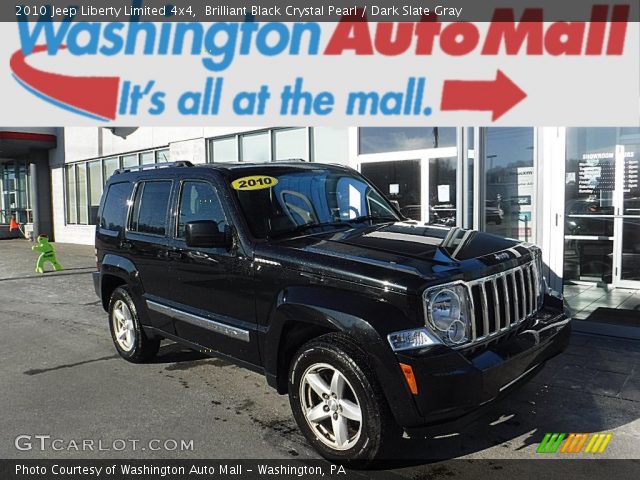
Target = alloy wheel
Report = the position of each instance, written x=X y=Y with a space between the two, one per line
x=123 y=328
x=330 y=406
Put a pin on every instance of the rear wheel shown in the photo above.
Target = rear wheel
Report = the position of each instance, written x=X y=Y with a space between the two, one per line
x=337 y=402
x=126 y=330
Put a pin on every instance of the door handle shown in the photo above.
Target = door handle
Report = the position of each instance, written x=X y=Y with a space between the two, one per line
x=126 y=245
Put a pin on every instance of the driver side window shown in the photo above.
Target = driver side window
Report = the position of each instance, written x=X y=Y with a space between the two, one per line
x=199 y=201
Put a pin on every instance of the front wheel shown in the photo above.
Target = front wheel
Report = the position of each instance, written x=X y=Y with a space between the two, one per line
x=337 y=402
x=126 y=330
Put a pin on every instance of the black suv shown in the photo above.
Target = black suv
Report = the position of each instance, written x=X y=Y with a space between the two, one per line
x=305 y=272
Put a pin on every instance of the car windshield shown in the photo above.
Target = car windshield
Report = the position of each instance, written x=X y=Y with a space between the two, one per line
x=280 y=202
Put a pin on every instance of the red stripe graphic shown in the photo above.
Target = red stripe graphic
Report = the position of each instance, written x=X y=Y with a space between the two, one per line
x=96 y=95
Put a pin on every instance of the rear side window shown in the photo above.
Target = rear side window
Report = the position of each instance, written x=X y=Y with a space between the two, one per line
x=115 y=206
x=150 y=208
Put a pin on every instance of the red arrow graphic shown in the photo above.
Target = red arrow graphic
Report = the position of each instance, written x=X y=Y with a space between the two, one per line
x=499 y=95
x=89 y=95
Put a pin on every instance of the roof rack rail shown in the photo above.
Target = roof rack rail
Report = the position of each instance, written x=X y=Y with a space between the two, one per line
x=179 y=163
x=291 y=160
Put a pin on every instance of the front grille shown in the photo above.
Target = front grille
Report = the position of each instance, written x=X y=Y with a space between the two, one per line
x=504 y=300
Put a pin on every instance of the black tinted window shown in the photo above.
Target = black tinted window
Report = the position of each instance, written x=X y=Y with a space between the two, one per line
x=199 y=201
x=294 y=200
x=150 y=207
x=115 y=206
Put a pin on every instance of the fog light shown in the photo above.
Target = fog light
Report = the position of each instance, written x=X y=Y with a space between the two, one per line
x=409 y=339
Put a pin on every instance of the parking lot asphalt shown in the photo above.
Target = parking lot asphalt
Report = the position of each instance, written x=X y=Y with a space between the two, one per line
x=60 y=376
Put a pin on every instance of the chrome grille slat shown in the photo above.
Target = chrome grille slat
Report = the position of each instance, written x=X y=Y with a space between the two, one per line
x=521 y=291
x=532 y=289
x=507 y=322
x=538 y=285
x=472 y=319
x=532 y=303
x=527 y=287
x=516 y=302
x=485 y=310
x=496 y=300
x=525 y=293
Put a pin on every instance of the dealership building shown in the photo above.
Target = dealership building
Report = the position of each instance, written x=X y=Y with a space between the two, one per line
x=573 y=191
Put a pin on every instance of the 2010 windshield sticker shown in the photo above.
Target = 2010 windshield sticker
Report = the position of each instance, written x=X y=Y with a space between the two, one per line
x=254 y=182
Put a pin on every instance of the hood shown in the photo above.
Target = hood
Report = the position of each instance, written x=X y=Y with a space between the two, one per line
x=406 y=254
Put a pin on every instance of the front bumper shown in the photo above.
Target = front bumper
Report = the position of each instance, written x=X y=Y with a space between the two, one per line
x=452 y=383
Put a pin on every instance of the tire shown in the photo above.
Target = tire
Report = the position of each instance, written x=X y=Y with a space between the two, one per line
x=126 y=330
x=320 y=359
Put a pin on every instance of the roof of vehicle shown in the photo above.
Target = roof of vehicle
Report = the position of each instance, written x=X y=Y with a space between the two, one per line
x=225 y=168
x=250 y=165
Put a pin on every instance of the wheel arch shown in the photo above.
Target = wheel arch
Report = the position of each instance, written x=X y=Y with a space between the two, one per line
x=117 y=271
x=304 y=313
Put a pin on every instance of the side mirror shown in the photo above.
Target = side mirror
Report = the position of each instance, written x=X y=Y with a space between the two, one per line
x=205 y=234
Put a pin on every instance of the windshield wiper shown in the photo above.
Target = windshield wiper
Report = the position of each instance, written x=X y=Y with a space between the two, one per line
x=308 y=226
x=343 y=223
x=366 y=218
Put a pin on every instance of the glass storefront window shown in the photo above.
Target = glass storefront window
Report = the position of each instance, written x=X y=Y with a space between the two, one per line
x=147 y=158
x=162 y=156
x=22 y=187
x=72 y=206
x=325 y=145
x=330 y=145
x=15 y=198
x=510 y=192
x=588 y=260
x=224 y=150
x=81 y=181
x=110 y=166
x=291 y=143
x=95 y=190
x=602 y=205
x=129 y=161
x=589 y=209
x=630 y=248
x=256 y=147
x=386 y=139
x=399 y=181
x=442 y=191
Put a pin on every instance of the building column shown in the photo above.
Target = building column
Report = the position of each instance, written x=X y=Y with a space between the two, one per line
x=550 y=203
x=40 y=179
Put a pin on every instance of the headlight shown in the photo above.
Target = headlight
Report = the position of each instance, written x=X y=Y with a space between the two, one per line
x=444 y=308
x=447 y=313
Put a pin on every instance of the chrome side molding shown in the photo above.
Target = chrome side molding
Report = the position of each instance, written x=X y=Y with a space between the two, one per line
x=198 y=321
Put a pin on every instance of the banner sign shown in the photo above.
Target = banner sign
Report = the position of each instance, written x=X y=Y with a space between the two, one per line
x=158 y=64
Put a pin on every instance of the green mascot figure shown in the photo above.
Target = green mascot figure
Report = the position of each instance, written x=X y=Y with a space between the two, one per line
x=47 y=254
